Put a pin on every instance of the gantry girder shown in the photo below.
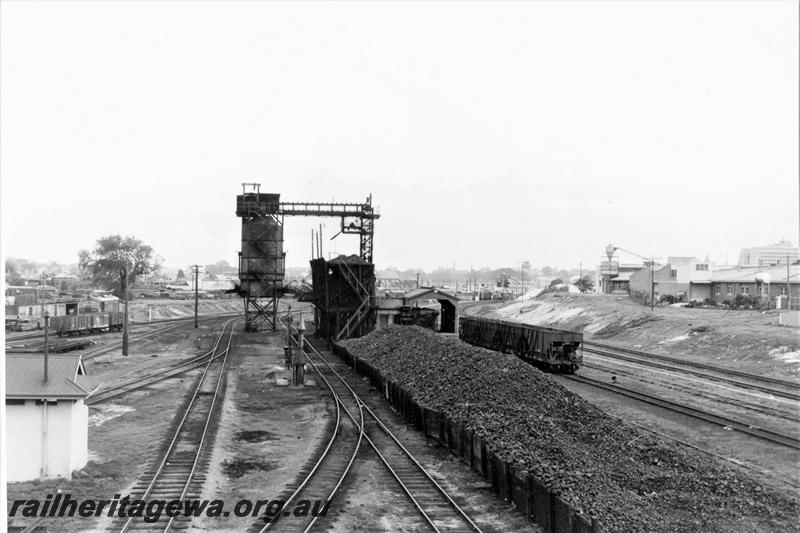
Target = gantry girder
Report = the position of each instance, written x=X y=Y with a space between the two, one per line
x=356 y=219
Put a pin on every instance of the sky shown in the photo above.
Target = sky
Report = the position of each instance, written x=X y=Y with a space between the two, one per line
x=487 y=133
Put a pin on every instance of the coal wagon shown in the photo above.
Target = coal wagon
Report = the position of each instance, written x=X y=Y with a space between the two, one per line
x=549 y=348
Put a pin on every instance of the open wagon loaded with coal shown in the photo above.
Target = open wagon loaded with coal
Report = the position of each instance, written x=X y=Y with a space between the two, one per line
x=524 y=425
x=548 y=348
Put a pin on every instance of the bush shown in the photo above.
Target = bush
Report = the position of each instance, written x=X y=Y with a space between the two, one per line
x=746 y=301
x=667 y=298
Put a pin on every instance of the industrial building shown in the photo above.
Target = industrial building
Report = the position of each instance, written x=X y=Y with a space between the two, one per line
x=684 y=278
x=773 y=284
x=779 y=253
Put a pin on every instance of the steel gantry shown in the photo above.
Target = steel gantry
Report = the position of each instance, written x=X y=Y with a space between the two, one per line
x=262 y=260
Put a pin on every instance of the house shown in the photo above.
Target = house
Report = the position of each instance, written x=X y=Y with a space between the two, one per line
x=27 y=294
x=66 y=283
x=47 y=421
x=615 y=276
x=684 y=278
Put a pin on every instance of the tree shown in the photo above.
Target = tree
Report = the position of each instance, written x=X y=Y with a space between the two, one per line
x=557 y=281
x=585 y=283
x=181 y=275
x=113 y=257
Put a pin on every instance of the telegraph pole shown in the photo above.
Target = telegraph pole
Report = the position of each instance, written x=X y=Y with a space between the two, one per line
x=125 y=315
x=652 y=282
x=196 y=278
x=46 y=342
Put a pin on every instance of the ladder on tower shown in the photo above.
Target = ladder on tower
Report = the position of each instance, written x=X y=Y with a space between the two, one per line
x=364 y=307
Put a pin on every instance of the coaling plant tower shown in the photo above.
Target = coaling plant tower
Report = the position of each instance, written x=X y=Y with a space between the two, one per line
x=344 y=287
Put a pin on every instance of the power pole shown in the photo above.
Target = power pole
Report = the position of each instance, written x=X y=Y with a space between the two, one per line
x=788 y=286
x=125 y=315
x=196 y=279
x=652 y=282
x=46 y=342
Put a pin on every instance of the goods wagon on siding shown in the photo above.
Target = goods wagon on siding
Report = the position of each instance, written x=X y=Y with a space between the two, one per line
x=87 y=323
x=549 y=348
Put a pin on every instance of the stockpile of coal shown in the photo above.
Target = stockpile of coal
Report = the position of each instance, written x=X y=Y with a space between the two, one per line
x=630 y=479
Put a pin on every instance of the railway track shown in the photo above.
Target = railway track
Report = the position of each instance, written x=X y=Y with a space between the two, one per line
x=432 y=502
x=91 y=354
x=327 y=474
x=178 y=475
x=98 y=396
x=762 y=433
x=776 y=387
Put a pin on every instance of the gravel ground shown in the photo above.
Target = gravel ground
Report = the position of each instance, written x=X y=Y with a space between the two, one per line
x=268 y=433
x=629 y=479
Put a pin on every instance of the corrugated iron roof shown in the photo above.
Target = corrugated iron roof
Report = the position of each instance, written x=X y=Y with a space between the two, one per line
x=433 y=293
x=25 y=376
x=777 y=274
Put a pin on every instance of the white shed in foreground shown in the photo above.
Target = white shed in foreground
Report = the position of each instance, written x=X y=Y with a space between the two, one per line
x=47 y=422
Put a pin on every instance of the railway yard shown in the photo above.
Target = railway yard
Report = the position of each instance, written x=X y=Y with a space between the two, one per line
x=516 y=267
x=564 y=414
x=208 y=413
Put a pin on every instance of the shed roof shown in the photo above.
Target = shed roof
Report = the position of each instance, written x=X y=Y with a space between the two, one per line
x=431 y=293
x=24 y=373
x=777 y=274
x=623 y=276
